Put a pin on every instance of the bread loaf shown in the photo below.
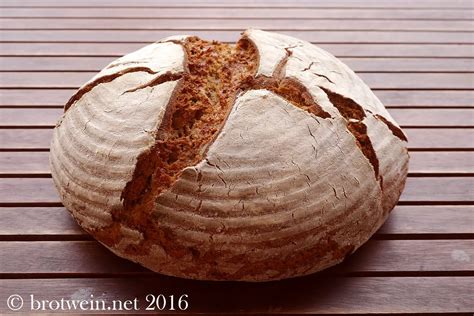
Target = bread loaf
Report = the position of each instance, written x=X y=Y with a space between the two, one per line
x=263 y=160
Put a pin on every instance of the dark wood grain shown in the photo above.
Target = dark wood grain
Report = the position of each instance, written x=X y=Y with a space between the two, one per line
x=237 y=13
x=231 y=36
x=417 y=190
x=419 y=138
x=312 y=294
x=405 y=117
x=281 y=24
x=361 y=64
x=413 y=81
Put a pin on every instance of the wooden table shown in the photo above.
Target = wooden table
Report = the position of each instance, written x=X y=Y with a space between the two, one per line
x=416 y=55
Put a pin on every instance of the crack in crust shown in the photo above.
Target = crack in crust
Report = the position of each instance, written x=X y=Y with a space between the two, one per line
x=354 y=114
x=291 y=90
x=288 y=88
x=194 y=117
x=395 y=130
x=215 y=74
x=191 y=233
x=200 y=104
x=104 y=79
x=168 y=76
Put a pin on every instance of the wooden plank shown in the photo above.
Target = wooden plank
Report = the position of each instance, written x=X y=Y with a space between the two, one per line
x=385 y=4
x=21 y=117
x=419 y=138
x=405 y=221
x=232 y=36
x=63 y=63
x=69 y=49
x=25 y=139
x=440 y=138
x=413 y=81
x=236 y=13
x=89 y=257
x=24 y=163
x=391 y=98
x=400 y=98
x=31 y=97
x=232 y=24
x=27 y=190
x=426 y=190
x=421 y=163
x=74 y=257
x=30 y=117
x=357 y=64
x=312 y=294
x=44 y=221
x=428 y=220
x=419 y=190
x=434 y=117
x=410 y=64
x=340 y=50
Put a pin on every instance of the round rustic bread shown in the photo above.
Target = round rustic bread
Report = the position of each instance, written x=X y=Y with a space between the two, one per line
x=263 y=160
